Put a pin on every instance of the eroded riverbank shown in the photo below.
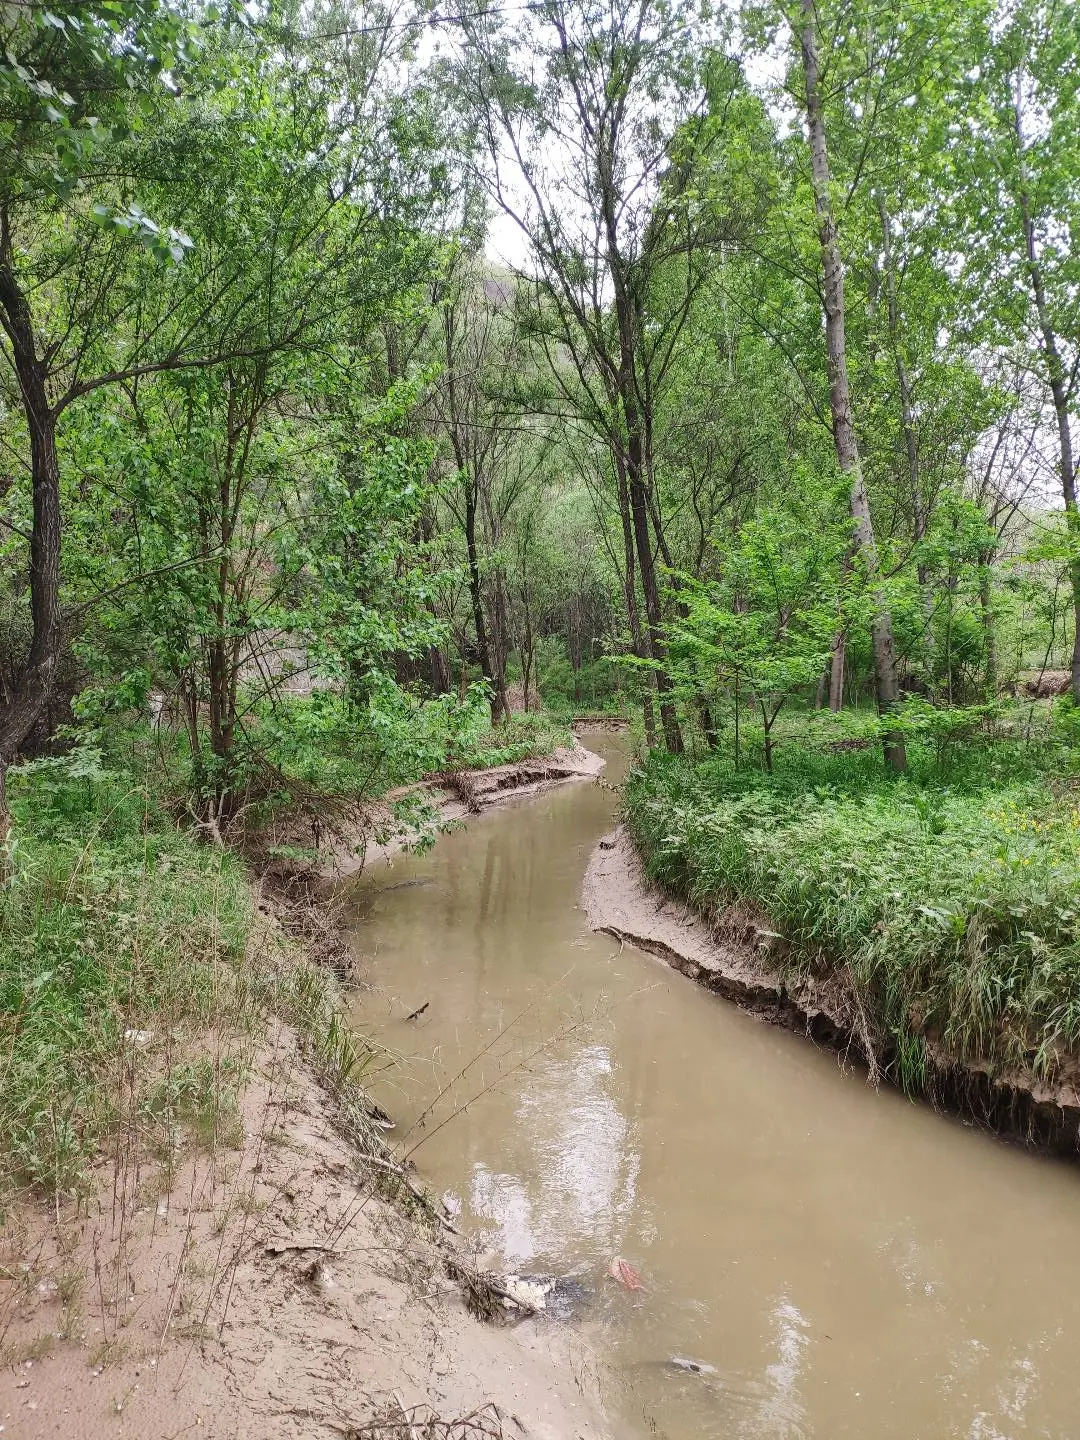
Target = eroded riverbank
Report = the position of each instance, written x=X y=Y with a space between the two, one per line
x=847 y=1263
x=732 y=958
x=452 y=797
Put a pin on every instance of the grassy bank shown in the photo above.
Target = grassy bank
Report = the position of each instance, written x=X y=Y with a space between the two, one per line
x=335 y=750
x=951 y=899
x=137 y=971
x=121 y=949
x=136 y=975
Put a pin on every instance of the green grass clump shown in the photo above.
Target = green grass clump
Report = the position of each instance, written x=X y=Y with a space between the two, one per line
x=121 y=941
x=955 y=907
x=521 y=737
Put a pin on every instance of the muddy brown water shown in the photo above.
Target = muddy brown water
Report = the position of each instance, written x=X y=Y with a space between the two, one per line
x=849 y=1264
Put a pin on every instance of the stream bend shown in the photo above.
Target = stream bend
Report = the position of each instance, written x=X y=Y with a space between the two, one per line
x=839 y=1262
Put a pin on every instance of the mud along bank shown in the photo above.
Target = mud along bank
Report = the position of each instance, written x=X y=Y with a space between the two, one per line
x=270 y=1268
x=383 y=828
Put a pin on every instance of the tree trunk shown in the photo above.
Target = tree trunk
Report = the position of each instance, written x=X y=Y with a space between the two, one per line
x=847 y=449
x=637 y=463
x=639 y=510
x=990 y=674
x=911 y=441
x=33 y=686
x=836 y=672
x=224 y=650
x=766 y=727
x=1059 y=390
x=637 y=636
x=483 y=650
x=708 y=724
x=838 y=661
x=438 y=660
x=439 y=671
x=500 y=639
x=573 y=642
x=189 y=705
x=526 y=651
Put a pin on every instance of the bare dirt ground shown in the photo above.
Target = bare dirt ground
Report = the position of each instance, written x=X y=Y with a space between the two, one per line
x=265 y=1291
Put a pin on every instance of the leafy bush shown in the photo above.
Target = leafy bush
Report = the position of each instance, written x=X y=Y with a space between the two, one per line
x=521 y=737
x=343 y=749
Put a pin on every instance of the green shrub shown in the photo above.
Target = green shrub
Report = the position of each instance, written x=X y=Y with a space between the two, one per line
x=521 y=737
x=339 y=748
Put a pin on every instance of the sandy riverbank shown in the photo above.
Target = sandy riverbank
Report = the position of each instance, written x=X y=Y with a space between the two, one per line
x=264 y=1286
x=269 y=1291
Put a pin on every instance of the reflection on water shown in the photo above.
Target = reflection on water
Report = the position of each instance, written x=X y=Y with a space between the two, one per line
x=589 y=1176
x=781 y=1413
x=849 y=1265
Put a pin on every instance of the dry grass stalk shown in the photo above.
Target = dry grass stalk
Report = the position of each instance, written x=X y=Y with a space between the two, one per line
x=420 y=1422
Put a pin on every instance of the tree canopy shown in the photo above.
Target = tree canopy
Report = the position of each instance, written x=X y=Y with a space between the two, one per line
x=772 y=405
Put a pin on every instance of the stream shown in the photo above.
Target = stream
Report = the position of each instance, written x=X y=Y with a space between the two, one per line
x=847 y=1263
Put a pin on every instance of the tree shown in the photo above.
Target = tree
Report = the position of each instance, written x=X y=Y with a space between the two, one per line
x=475 y=410
x=208 y=370
x=764 y=627
x=606 y=163
x=1016 y=189
x=847 y=446
x=72 y=84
